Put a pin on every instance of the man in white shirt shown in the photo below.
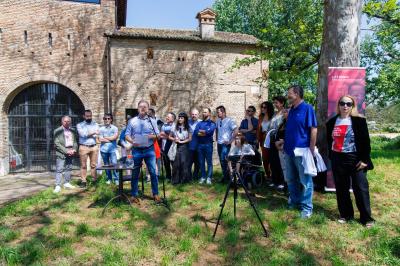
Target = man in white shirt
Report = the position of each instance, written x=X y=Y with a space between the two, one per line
x=88 y=131
x=226 y=133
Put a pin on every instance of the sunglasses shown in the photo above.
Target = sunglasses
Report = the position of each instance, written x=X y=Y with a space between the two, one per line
x=250 y=111
x=349 y=104
x=107 y=118
x=263 y=106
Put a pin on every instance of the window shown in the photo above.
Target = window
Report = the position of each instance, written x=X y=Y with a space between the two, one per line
x=150 y=53
x=85 y=1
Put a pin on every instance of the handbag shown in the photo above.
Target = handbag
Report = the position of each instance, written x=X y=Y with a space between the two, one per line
x=172 y=152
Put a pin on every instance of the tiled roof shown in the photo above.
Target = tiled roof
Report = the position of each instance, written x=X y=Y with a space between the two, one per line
x=182 y=35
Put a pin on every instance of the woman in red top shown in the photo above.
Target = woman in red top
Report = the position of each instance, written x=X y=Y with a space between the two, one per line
x=264 y=120
x=349 y=150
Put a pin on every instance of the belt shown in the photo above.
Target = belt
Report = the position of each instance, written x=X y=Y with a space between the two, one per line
x=90 y=146
x=142 y=148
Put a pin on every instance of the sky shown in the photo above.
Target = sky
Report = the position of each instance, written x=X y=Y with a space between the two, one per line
x=167 y=14
x=176 y=14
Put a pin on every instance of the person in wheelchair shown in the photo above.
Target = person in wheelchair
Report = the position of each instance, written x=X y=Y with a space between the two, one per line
x=244 y=161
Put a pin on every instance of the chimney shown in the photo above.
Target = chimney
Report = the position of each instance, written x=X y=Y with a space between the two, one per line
x=206 y=23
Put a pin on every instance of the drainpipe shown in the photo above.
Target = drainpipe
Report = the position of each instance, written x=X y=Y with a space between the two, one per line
x=108 y=76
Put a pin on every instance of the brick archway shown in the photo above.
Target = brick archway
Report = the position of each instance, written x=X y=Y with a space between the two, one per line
x=33 y=114
x=19 y=85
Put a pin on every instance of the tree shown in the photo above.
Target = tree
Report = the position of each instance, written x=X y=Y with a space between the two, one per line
x=380 y=52
x=290 y=33
x=340 y=47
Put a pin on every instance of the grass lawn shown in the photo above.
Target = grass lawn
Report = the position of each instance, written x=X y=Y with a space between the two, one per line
x=68 y=229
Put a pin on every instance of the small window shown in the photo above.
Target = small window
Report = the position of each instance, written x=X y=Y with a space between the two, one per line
x=1 y=33
x=50 y=40
x=26 y=37
x=150 y=53
x=69 y=42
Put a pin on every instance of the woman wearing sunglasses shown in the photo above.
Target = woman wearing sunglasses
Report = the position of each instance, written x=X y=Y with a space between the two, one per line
x=349 y=151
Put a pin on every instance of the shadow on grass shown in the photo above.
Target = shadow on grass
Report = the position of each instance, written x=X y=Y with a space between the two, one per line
x=37 y=247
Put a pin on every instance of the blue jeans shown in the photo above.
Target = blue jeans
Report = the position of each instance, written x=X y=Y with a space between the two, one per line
x=223 y=150
x=110 y=158
x=300 y=186
x=149 y=157
x=205 y=152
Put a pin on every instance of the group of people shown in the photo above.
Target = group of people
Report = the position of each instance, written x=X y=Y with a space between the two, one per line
x=284 y=132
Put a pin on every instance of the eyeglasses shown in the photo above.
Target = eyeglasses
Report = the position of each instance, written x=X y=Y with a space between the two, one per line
x=349 y=104
x=106 y=118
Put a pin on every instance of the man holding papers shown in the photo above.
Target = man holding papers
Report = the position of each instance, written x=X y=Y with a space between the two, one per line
x=141 y=132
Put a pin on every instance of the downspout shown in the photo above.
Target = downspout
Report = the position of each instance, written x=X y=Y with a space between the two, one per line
x=108 y=76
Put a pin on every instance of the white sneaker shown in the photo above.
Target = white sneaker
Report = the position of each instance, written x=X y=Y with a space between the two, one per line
x=108 y=182
x=57 y=189
x=68 y=185
x=208 y=181
x=202 y=180
x=116 y=182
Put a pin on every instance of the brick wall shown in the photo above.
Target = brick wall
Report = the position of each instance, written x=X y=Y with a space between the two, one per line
x=181 y=75
x=75 y=58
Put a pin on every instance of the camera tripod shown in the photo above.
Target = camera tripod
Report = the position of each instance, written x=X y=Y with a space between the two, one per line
x=233 y=182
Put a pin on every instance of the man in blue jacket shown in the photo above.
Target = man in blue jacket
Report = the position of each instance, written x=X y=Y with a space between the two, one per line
x=204 y=134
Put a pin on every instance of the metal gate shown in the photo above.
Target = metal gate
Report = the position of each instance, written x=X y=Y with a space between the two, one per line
x=33 y=115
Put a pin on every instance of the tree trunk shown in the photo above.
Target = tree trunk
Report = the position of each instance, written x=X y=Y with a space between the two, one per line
x=340 y=48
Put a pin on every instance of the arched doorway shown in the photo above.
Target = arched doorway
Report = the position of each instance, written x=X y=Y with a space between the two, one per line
x=33 y=115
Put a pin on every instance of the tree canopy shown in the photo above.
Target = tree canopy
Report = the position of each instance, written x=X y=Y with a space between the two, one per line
x=381 y=52
x=290 y=33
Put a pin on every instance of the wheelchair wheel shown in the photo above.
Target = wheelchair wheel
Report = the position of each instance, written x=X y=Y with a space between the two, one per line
x=257 y=179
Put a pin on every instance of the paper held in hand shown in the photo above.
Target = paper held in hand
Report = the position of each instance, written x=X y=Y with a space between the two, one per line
x=141 y=140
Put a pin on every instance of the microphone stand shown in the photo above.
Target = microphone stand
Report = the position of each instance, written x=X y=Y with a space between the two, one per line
x=165 y=202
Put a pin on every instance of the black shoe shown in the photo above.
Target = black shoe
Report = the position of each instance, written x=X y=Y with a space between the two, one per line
x=83 y=185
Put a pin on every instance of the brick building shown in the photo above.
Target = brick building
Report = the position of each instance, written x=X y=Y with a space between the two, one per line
x=60 y=57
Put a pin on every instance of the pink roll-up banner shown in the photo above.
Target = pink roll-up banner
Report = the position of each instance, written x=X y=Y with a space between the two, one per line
x=344 y=81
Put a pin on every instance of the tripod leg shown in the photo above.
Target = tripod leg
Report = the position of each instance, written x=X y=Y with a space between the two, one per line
x=253 y=206
x=143 y=175
x=235 y=194
x=222 y=207
x=163 y=176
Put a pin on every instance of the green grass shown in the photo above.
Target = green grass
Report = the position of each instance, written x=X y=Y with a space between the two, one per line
x=68 y=229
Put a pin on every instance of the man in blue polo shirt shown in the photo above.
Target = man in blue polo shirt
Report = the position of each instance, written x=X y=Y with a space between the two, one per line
x=204 y=133
x=141 y=133
x=301 y=132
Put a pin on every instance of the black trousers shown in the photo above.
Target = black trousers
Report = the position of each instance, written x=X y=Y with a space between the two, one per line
x=275 y=164
x=194 y=160
x=181 y=172
x=167 y=165
x=345 y=175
